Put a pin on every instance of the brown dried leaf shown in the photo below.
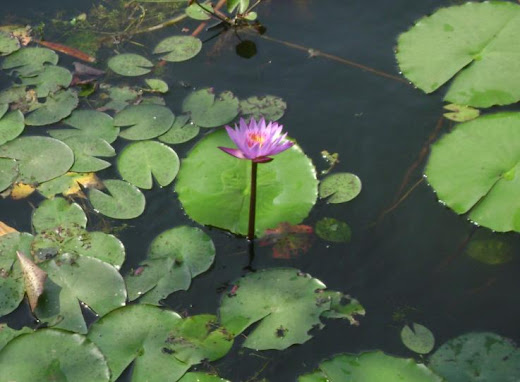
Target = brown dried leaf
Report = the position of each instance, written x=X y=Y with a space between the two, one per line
x=34 y=279
x=5 y=229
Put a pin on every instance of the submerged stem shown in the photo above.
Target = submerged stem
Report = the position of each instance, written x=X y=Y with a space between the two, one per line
x=252 y=202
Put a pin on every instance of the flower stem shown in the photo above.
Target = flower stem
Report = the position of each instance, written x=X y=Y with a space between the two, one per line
x=252 y=202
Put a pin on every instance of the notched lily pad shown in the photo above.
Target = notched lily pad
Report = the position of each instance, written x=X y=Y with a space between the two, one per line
x=86 y=150
x=341 y=187
x=461 y=113
x=88 y=124
x=144 y=121
x=419 y=339
x=181 y=131
x=49 y=80
x=208 y=111
x=11 y=124
x=130 y=65
x=139 y=161
x=270 y=107
x=58 y=212
x=30 y=61
x=124 y=202
x=178 y=48
x=56 y=107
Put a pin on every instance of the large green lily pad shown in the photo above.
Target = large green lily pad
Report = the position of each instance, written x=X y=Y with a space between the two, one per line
x=30 y=61
x=372 y=366
x=178 y=48
x=70 y=280
x=124 y=202
x=11 y=124
x=7 y=334
x=181 y=131
x=49 y=80
x=8 y=172
x=479 y=40
x=58 y=212
x=282 y=301
x=477 y=357
x=419 y=339
x=130 y=64
x=144 y=121
x=139 y=333
x=214 y=187
x=174 y=258
x=88 y=123
x=475 y=169
x=53 y=355
x=56 y=107
x=11 y=281
x=86 y=150
x=39 y=158
x=139 y=161
x=208 y=111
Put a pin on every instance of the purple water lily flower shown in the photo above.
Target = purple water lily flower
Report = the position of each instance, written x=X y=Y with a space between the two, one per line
x=257 y=141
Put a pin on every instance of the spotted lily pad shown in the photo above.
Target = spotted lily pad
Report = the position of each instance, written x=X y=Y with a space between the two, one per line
x=54 y=158
x=282 y=301
x=181 y=131
x=30 y=61
x=130 y=64
x=208 y=111
x=479 y=40
x=477 y=357
x=331 y=229
x=214 y=187
x=89 y=124
x=59 y=356
x=372 y=366
x=8 y=43
x=269 y=107
x=58 y=212
x=475 y=169
x=138 y=334
x=11 y=124
x=341 y=187
x=419 y=339
x=178 y=48
x=144 y=121
x=124 y=202
x=69 y=282
x=139 y=161
x=56 y=107
x=174 y=258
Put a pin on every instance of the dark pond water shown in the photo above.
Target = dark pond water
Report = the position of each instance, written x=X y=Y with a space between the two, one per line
x=411 y=261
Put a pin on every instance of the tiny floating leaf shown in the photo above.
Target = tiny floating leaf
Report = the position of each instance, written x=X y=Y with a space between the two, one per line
x=178 y=48
x=341 y=187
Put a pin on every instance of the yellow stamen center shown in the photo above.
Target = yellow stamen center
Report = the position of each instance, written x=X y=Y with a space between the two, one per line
x=255 y=138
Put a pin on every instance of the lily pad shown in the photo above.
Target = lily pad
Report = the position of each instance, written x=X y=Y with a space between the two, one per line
x=372 y=366
x=69 y=184
x=58 y=212
x=39 y=158
x=200 y=12
x=124 y=202
x=59 y=356
x=479 y=40
x=174 y=258
x=49 y=80
x=282 y=301
x=144 y=121
x=89 y=124
x=214 y=187
x=343 y=306
x=199 y=338
x=270 y=107
x=11 y=124
x=69 y=282
x=460 y=113
x=8 y=172
x=341 y=187
x=331 y=229
x=475 y=169
x=11 y=281
x=138 y=334
x=8 y=43
x=139 y=161
x=181 y=131
x=130 y=65
x=120 y=97
x=30 y=61
x=56 y=107
x=178 y=48
x=207 y=111
x=419 y=339
x=489 y=248
x=157 y=85
x=476 y=357
x=7 y=334
x=86 y=149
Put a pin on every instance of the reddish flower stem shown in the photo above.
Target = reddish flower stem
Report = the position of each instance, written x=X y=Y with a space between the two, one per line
x=252 y=202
